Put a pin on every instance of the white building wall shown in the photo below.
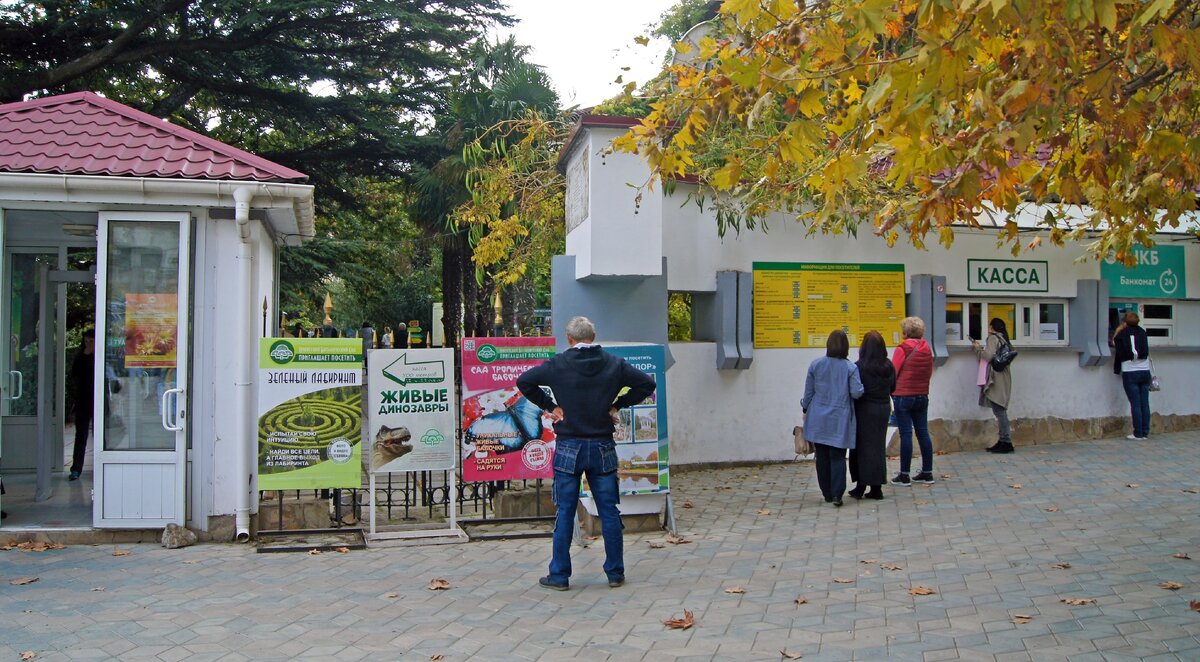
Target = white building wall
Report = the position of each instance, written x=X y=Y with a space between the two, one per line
x=747 y=415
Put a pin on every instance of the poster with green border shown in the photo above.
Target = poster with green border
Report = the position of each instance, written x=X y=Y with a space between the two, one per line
x=310 y=413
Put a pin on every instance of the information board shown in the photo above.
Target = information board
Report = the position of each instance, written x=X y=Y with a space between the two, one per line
x=797 y=304
x=411 y=410
x=643 y=465
x=309 y=413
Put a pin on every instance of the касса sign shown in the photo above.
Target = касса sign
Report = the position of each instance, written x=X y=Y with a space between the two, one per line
x=1007 y=276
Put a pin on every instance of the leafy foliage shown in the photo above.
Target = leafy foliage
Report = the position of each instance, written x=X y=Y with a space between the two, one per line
x=919 y=116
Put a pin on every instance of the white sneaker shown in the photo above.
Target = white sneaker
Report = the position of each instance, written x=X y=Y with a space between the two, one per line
x=1132 y=437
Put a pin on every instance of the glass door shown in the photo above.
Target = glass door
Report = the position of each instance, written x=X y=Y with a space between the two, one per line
x=142 y=333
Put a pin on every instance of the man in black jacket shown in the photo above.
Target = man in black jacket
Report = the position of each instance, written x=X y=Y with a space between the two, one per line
x=585 y=381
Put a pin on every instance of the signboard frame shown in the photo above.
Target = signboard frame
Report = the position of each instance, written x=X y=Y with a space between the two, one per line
x=1162 y=265
x=859 y=287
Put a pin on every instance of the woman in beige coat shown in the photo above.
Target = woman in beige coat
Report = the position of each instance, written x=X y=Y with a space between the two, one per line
x=996 y=390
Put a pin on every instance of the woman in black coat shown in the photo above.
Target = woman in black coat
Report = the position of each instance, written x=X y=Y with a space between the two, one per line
x=868 y=465
x=1131 y=360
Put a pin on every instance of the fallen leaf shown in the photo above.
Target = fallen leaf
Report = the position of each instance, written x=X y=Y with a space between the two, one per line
x=1043 y=452
x=947 y=476
x=1170 y=586
x=1015 y=486
x=1132 y=485
x=28 y=655
x=868 y=561
x=655 y=545
x=1051 y=509
x=921 y=590
x=921 y=502
x=97 y=589
x=684 y=623
x=120 y=552
x=801 y=600
x=314 y=552
x=1061 y=566
x=1181 y=555
x=842 y=580
x=1191 y=490
x=438 y=584
x=735 y=589
x=1195 y=605
x=392 y=595
x=1021 y=619
x=677 y=540
x=21 y=581
x=436 y=656
x=342 y=550
x=890 y=566
x=791 y=656
x=764 y=512
x=688 y=504
x=1078 y=602
x=191 y=562
x=941 y=453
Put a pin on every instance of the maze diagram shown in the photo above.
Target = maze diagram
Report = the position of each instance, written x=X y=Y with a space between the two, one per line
x=297 y=433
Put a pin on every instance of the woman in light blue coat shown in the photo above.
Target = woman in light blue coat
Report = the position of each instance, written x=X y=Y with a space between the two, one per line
x=830 y=389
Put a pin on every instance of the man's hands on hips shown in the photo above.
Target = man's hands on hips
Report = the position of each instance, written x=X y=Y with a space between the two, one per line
x=612 y=412
x=556 y=414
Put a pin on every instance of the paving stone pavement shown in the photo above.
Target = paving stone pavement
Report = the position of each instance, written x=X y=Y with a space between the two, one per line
x=1114 y=510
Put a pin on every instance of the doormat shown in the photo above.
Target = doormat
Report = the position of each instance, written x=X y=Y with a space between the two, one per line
x=311 y=540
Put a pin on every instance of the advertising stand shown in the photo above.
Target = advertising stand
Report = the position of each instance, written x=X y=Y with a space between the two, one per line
x=309 y=421
x=505 y=436
x=643 y=453
x=412 y=424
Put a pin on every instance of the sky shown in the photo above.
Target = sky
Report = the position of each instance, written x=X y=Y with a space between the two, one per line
x=584 y=45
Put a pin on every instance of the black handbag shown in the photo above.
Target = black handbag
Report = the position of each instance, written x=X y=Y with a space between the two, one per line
x=1003 y=357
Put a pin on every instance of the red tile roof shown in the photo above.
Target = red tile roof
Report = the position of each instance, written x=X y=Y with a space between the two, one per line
x=85 y=134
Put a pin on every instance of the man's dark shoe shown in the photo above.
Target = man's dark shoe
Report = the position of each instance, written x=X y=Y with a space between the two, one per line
x=616 y=582
x=74 y=476
x=1002 y=448
x=902 y=479
x=545 y=581
x=837 y=502
x=857 y=492
x=923 y=477
x=875 y=493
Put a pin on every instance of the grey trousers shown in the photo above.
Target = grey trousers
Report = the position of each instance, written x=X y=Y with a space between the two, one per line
x=1002 y=420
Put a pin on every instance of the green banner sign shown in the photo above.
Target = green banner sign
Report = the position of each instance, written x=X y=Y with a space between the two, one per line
x=1159 y=274
x=310 y=413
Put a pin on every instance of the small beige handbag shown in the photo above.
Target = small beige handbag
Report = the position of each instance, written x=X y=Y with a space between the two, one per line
x=803 y=446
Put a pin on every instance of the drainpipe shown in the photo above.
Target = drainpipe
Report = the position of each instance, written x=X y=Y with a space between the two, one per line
x=244 y=381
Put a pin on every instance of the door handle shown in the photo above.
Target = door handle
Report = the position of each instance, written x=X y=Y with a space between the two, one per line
x=176 y=426
x=20 y=383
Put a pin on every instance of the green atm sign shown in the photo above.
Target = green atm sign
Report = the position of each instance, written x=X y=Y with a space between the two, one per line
x=1159 y=274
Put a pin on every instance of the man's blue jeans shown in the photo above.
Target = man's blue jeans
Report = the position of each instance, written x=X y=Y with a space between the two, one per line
x=1137 y=389
x=597 y=459
x=912 y=412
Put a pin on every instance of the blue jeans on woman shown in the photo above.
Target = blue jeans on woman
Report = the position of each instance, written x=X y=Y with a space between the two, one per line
x=912 y=411
x=597 y=459
x=1137 y=389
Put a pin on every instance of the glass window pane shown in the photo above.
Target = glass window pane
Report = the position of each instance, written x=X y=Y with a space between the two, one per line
x=975 y=323
x=954 y=320
x=1158 y=311
x=140 y=353
x=23 y=309
x=1052 y=325
x=1005 y=311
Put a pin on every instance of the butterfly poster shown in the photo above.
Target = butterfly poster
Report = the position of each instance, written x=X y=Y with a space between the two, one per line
x=505 y=436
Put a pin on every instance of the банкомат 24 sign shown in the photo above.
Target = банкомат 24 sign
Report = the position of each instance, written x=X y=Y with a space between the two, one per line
x=309 y=413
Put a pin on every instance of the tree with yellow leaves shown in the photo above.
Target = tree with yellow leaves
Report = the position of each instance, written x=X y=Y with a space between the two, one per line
x=918 y=116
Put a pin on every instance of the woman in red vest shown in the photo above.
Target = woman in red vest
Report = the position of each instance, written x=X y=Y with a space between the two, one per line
x=913 y=360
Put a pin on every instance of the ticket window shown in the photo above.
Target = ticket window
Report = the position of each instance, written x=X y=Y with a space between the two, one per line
x=1028 y=322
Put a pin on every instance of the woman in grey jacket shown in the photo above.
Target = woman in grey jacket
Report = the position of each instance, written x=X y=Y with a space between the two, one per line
x=830 y=388
x=995 y=392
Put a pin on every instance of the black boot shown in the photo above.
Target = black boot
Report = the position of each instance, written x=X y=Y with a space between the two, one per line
x=857 y=492
x=1002 y=447
x=876 y=493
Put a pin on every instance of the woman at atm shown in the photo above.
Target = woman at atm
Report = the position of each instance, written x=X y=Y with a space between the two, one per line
x=1131 y=360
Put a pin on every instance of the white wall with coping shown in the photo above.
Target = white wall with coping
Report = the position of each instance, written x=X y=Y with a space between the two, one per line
x=747 y=415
